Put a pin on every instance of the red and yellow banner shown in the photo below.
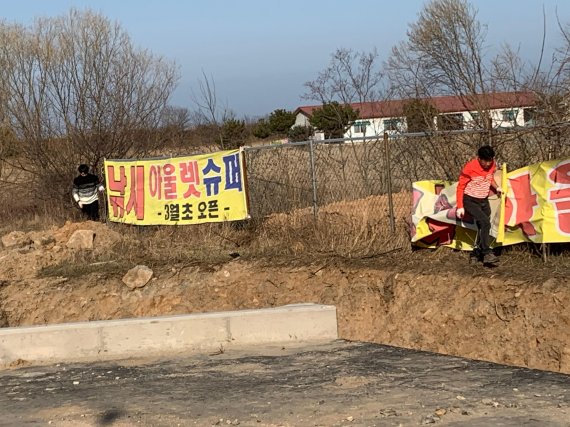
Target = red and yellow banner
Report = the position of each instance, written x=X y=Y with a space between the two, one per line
x=535 y=207
x=178 y=190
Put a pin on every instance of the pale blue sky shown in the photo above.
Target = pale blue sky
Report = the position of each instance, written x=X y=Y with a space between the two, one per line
x=260 y=53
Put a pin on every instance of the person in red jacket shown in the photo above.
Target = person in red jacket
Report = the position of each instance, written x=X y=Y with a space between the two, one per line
x=475 y=182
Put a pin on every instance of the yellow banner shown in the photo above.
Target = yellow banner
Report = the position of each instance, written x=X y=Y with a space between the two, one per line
x=434 y=221
x=538 y=203
x=535 y=207
x=178 y=190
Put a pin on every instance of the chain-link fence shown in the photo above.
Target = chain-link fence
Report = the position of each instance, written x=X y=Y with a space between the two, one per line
x=367 y=182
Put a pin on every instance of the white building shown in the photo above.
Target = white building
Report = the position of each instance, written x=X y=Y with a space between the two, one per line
x=506 y=110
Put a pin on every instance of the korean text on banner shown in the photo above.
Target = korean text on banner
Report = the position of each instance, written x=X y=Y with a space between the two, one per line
x=177 y=191
x=538 y=203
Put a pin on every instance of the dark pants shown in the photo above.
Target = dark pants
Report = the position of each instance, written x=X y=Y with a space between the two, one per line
x=91 y=210
x=480 y=210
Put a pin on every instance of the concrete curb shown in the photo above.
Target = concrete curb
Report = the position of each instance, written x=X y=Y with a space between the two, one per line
x=118 y=339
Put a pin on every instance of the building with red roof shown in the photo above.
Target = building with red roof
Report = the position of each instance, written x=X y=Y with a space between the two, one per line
x=505 y=109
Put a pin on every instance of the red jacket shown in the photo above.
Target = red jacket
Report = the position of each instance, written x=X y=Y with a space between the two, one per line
x=474 y=181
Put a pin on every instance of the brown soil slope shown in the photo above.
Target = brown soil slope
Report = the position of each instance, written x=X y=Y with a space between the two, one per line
x=516 y=313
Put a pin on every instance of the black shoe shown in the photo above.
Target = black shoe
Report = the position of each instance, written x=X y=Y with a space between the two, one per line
x=490 y=258
x=475 y=256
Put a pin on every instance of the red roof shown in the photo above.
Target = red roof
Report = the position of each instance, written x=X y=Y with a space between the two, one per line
x=444 y=104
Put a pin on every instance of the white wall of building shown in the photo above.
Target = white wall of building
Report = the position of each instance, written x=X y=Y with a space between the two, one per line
x=301 y=120
x=502 y=118
x=376 y=127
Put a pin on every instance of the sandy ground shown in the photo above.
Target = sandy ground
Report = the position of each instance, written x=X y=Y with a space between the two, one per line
x=514 y=314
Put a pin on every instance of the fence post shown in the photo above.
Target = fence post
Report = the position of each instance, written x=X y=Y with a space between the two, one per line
x=545 y=246
x=313 y=178
x=389 y=183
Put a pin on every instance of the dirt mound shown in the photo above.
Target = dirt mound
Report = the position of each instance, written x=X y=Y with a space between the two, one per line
x=104 y=236
x=37 y=250
x=514 y=314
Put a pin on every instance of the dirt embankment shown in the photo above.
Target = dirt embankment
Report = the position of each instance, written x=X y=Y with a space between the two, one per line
x=408 y=300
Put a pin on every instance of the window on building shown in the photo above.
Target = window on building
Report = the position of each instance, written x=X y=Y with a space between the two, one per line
x=392 y=125
x=529 y=115
x=360 y=126
x=475 y=122
x=509 y=115
x=450 y=121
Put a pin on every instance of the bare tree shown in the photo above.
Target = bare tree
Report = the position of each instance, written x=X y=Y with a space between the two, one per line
x=445 y=54
x=562 y=58
x=78 y=91
x=552 y=86
x=350 y=77
x=550 y=83
x=209 y=110
x=210 y=114
x=175 y=117
x=174 y=124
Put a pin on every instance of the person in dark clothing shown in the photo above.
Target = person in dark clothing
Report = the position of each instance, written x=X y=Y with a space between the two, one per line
x=475 y=181
x=85 y=192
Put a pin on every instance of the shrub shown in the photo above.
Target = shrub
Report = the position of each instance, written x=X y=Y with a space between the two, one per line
x=300 y=133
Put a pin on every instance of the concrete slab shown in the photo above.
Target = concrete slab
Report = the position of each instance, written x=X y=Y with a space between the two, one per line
x=333 y=384
x=115 y=339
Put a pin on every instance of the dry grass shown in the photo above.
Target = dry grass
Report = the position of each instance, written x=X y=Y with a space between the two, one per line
x=351 y=187
x=352 y=229
x=82 y=266
x=19 y=213
x=355 y=230
x=157 y=247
